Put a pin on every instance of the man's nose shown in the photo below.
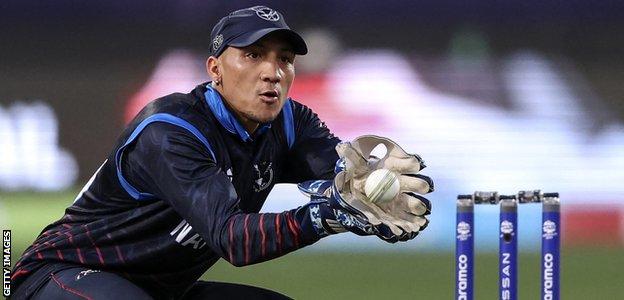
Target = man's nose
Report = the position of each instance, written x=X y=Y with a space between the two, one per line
x=271 y=72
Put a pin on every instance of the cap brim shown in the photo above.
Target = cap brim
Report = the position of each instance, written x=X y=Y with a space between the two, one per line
x=299 y=45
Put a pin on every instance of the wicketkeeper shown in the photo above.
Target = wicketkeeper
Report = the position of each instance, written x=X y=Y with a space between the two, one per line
x=182 y=187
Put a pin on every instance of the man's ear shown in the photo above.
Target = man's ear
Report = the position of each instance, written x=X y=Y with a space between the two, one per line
x=213 y=68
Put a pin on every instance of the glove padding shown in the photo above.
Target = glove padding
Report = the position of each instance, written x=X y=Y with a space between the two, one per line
x=331 y=219
x=403 y=216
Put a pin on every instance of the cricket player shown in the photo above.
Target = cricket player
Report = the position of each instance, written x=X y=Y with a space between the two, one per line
x=183 y=186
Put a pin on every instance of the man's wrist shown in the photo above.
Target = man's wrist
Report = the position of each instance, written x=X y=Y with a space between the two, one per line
x=317 y=220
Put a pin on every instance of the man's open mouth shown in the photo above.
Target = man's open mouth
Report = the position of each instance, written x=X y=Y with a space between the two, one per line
x=269 y=96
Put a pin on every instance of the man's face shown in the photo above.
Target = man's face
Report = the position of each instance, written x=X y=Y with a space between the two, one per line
x=255 y=80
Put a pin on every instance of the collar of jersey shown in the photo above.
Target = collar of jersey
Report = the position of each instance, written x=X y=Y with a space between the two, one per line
x=226 y=118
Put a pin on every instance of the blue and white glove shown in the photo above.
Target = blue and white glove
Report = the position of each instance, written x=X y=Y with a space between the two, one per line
x=405 y=215
x=342 y=204
x=326 y=219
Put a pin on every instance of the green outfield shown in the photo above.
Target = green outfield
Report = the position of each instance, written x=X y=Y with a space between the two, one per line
x=586 y=273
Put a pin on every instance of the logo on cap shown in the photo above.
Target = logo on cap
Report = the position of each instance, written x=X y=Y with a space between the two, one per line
x=216 y=43
x=266 y=13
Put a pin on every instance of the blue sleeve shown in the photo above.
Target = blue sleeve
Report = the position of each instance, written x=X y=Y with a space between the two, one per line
x=313 y=155
x=173 y=165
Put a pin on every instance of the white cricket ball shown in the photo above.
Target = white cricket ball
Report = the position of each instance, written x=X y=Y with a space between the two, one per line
x=381 y=186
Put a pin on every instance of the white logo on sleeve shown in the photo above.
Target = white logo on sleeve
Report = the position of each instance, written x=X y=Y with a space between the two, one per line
x=229 y=174
x=183 y=237
x=85 y=273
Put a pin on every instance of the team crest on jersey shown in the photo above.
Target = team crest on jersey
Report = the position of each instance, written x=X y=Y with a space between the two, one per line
x=263 y=173
x=266 y=13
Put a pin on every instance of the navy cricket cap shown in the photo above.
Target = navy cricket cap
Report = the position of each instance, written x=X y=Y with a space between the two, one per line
x=246 y=26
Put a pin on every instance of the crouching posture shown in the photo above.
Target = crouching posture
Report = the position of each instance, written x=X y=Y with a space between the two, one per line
x=183 y=186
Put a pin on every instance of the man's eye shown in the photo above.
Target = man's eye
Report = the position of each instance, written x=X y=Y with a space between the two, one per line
x=253 y=55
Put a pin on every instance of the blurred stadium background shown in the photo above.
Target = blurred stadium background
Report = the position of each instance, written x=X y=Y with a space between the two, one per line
x=495 y=96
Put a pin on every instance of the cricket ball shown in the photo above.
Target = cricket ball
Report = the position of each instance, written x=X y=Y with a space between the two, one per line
x=381 y=186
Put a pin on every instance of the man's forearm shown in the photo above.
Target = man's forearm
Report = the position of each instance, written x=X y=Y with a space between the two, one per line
x=252 y=238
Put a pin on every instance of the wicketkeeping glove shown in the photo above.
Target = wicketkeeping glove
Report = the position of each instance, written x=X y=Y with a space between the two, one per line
x=341 y=204
x=405 y=215
x=328 y=220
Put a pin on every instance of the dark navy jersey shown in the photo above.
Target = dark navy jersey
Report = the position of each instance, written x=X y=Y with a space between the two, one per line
x=182 y=188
